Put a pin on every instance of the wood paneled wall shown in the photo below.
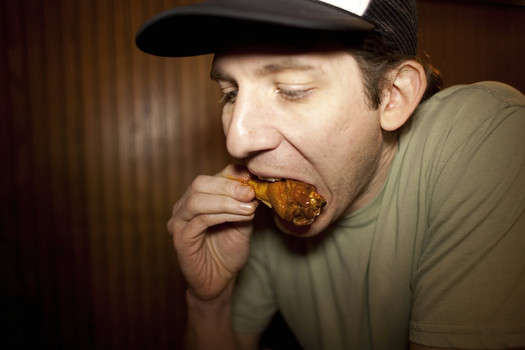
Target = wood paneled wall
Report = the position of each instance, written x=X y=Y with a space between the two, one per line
x=97 y=140
x=474 y=40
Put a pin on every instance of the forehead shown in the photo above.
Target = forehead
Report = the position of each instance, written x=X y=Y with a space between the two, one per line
x=267 y=59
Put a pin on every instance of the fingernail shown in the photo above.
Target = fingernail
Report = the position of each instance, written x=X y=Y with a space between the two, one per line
x=246 y=189
x=247 y=207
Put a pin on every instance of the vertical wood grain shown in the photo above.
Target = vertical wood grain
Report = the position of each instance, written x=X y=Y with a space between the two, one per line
x=471 y=41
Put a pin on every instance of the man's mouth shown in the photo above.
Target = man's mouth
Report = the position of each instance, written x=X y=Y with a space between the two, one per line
x=269 y=179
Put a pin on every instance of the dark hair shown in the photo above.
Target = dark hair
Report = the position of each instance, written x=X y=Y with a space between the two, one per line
x=375 y=60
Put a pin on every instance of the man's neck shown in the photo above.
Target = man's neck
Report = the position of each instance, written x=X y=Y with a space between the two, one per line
x=388 y=152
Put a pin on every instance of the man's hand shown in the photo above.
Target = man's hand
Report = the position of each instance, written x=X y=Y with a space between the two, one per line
x=211 y=229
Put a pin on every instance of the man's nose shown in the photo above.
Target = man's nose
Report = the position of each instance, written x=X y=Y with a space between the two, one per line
x=250 y=127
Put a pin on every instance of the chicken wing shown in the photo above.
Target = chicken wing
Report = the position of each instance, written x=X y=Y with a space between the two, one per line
x=292 y=200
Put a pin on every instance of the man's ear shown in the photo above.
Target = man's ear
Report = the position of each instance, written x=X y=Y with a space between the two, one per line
x=401 y=97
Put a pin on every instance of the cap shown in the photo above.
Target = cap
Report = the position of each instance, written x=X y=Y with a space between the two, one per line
x=205 y=27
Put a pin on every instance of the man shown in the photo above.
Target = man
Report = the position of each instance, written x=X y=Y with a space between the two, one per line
x=421 y=242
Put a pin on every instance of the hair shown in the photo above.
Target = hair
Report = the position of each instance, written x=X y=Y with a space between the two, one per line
x=376 y=60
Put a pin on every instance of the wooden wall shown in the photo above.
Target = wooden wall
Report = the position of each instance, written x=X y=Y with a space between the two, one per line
x=97 y=140
x=475 y=40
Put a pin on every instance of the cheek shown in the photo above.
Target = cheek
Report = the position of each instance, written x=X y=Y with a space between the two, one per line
x=348 y=135
x=349 y=158
x=226 y=118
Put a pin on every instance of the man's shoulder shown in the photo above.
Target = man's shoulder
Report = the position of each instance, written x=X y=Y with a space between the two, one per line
x=482 y=94
x=461 y=121
x=458 y=110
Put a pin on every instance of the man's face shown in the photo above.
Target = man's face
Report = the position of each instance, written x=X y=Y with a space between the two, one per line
x=302 y=116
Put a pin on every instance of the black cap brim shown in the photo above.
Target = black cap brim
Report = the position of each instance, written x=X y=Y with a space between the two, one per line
x=206 y=27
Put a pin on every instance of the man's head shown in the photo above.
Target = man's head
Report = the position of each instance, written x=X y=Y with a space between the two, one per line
x=316 y=98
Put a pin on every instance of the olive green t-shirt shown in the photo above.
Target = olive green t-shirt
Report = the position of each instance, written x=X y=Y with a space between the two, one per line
x=437 y=258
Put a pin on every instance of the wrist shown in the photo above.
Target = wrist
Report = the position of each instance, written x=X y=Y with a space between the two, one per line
x=210 y=305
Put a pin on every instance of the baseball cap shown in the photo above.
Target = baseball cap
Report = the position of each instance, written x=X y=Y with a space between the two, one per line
x=205 y=27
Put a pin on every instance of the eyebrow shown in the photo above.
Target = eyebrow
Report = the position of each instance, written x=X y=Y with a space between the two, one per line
x=219 y=75
x=271 y=68
x=287 y=64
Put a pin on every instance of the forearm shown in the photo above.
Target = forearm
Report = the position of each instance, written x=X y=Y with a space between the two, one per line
x=210 y=322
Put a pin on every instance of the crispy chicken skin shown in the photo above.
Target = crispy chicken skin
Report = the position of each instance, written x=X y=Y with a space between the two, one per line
x=292 y=200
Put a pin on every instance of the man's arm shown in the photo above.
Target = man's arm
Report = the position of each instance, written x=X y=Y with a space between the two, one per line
x=211 y=229
x=210 y=325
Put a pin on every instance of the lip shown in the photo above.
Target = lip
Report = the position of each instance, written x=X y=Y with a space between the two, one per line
x=265 y=170
x=272 y=177
x=265 y=176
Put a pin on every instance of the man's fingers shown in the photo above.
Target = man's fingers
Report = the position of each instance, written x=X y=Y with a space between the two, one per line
x=207 y=204
x=202 y=223
x=220 y=186
x=214 y=200
x=237 y=172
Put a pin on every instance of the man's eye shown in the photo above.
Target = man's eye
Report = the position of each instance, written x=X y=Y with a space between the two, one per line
x=229 y=96
x=293 y=95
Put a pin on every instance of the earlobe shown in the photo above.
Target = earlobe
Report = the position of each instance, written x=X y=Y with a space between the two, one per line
x=408 y=84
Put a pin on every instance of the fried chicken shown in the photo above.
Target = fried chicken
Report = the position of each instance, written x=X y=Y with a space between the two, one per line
x=292 y=200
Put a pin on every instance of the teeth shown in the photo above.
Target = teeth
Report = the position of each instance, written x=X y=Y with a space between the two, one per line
x=269 y=179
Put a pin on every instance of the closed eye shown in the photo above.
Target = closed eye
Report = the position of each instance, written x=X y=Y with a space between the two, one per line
x=294 y=94
x=228 y=96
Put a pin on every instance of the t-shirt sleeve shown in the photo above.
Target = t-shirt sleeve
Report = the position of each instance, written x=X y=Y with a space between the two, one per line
x=253 y=300
x=469 y=285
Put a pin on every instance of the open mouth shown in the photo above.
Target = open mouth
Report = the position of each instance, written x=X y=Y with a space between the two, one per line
x=269 y=179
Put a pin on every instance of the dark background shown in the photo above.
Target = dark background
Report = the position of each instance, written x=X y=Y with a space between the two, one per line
x=98 y=140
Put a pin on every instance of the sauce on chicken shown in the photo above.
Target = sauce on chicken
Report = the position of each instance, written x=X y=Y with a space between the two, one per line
x=292 y=200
